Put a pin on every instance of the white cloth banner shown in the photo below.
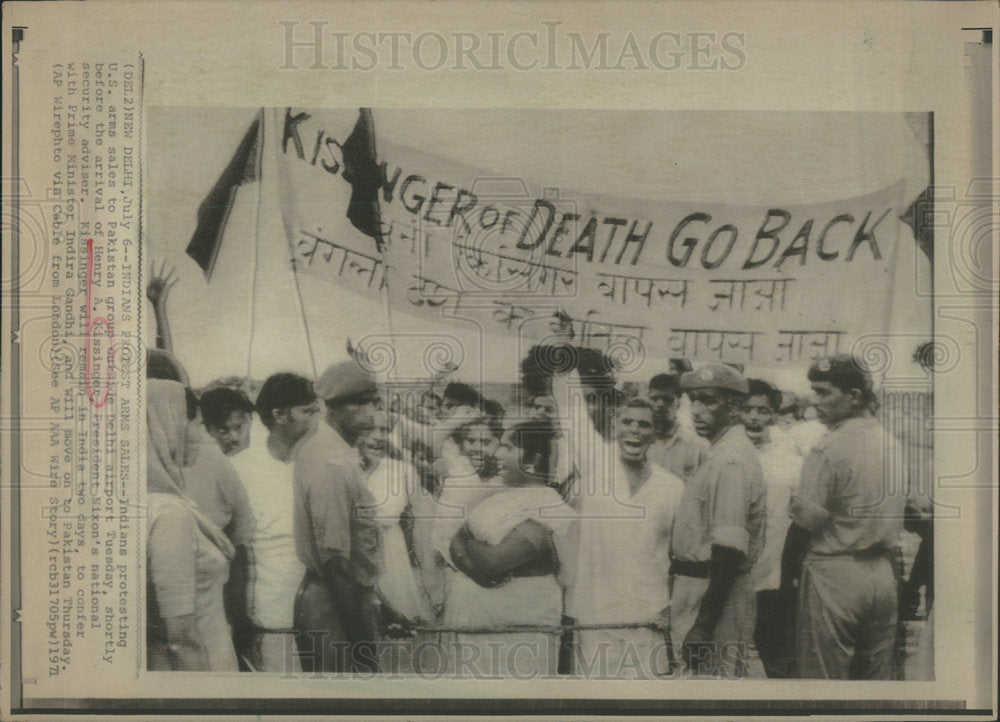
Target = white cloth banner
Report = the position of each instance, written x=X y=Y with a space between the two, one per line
x=772 y=284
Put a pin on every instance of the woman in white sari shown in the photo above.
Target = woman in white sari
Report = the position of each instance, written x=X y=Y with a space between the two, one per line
x=187 y=555
x=509 y=553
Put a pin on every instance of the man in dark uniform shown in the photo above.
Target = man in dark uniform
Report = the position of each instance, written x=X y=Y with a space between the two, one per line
x=846 y=518
x=336 y=536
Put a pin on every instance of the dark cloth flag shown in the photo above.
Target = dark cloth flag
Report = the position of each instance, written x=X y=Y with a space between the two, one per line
x=919 y=216
x=361 y=170
x=213 y=213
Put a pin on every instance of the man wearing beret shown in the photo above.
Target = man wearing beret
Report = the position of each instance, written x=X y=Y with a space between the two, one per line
x=719 y=531
x=336 y=536
x=846 y=517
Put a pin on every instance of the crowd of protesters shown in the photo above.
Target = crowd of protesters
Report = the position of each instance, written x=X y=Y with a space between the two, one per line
x=333 y=525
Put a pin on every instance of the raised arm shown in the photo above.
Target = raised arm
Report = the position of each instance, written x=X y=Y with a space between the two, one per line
x=585 y=450
x=157 y=290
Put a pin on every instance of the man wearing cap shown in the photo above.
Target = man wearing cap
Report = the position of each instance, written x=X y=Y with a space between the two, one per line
x=674 y=448
x=336 y=536
x=719 y=531
x=847 y=516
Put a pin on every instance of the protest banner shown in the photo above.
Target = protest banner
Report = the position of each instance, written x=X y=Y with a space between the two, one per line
x=413 y=233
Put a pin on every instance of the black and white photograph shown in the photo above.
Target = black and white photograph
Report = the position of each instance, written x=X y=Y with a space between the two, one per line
x=435 y=359
x=524 y=393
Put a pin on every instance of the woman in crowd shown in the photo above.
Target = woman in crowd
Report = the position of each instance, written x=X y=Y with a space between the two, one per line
x=508 y=554
x=478 y=442
x=465 y=461
x=187 y=555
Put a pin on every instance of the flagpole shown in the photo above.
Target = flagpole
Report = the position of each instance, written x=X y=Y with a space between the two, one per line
x=305 y=321
x=302 y=308
x=256 y=239
x=386 y=300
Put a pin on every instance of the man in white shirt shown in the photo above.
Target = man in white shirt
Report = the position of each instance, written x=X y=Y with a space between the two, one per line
x=289 y=409
x=781 y=466
x=623 y=564
x=626 y=512
x=794 y=425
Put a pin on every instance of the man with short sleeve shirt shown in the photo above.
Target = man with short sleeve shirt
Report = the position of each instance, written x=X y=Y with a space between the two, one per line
x=218 y=491
x=846 y=520
x=288 y=408
x=718 y=533
x=621 y=571
x=336 y=536
x=216 y=488
x=675 y=449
